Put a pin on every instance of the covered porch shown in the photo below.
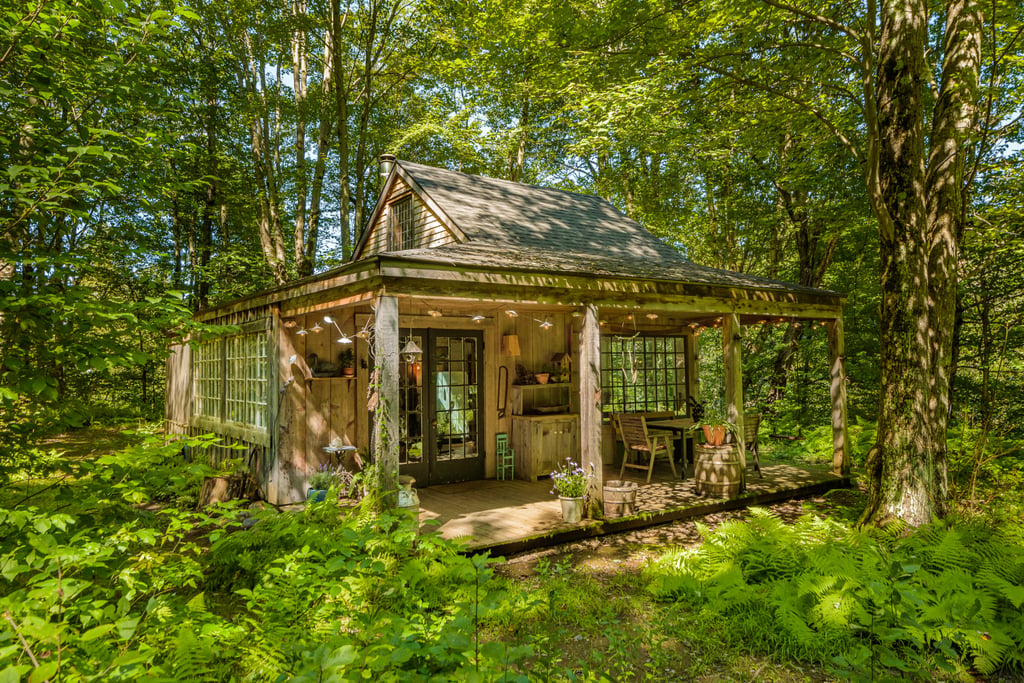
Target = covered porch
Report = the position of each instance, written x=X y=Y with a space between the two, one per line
x=505 y=517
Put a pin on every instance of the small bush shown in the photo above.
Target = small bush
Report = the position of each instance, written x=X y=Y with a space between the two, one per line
x=943 y=598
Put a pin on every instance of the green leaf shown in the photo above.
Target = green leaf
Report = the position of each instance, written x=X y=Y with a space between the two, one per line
x=96 y=632
x=12 y=674
x=43 y=672
x=126 y=627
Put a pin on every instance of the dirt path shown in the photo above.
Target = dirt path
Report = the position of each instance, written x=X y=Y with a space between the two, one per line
x=630 y=551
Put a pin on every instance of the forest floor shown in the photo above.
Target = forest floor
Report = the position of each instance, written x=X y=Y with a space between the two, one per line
x=606 y=612
x=599 y=622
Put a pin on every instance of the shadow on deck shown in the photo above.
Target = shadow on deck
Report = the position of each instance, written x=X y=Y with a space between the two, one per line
x=505 y=517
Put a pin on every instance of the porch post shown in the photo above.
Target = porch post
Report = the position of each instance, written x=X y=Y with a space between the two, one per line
x=732 y=357
x=837 y=391
x=286 y=475
x=590 y=409
x=385 y=412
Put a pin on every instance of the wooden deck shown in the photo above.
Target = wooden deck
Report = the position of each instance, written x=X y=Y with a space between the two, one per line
x=505 y=517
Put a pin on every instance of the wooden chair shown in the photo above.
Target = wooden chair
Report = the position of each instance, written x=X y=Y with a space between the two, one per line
x=639 y=440
x=751 y=425
x=506 y=458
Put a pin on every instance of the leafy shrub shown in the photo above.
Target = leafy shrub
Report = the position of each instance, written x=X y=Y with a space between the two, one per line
x=106 y=589
x=941 y=598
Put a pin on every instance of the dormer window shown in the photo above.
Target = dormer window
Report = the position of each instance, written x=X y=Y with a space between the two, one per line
x=400 y=224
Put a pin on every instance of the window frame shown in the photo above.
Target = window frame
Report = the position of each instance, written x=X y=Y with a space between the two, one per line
x=663 y=388
x=231 y=384
x=401 y=223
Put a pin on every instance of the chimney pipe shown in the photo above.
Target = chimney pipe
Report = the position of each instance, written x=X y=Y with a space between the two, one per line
x=386 y=163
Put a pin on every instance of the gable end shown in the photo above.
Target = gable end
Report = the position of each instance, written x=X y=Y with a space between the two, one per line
x=403 y=220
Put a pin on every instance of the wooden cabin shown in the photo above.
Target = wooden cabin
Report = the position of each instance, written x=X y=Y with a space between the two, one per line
x=474 y=307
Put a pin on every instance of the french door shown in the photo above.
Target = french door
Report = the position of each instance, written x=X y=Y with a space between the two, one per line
x=439 y=407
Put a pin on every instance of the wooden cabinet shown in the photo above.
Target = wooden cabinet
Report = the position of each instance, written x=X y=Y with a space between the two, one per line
x=542 y=442
x=540 y=399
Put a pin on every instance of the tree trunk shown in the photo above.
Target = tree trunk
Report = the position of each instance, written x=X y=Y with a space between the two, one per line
x=921 y=198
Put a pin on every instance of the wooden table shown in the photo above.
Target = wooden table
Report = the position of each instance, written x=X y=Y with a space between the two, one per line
x=682 y=426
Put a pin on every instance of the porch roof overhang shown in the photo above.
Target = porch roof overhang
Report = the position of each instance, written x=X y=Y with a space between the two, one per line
x=483 y=272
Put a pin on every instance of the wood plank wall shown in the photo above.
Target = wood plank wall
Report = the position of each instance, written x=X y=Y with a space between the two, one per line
x=320 y=409
x=428 y=230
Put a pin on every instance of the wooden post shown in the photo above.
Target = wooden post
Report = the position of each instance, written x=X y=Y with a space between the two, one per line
x=590 y=409
x=837 y=391
x=385 y=418
x=732 y=359
x=286 y=467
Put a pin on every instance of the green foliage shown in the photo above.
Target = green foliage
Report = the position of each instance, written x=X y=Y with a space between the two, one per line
x=815 y=443
x=103 y=584
x=943 y=598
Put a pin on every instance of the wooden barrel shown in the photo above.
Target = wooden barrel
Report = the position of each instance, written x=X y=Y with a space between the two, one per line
x=718 y=470
x=619 y=498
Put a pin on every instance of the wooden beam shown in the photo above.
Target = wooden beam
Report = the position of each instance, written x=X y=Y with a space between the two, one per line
x=837 y=395
x=286 y=471
x=590 y=409
x=732 y=359
x=385 y=418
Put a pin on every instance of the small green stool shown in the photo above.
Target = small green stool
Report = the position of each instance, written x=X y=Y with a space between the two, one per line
x=506 y=458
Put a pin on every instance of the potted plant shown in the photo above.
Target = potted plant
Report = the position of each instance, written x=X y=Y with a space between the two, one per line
x=715 y=427
x=570 y=484
x=320 y=482
x=347 y=360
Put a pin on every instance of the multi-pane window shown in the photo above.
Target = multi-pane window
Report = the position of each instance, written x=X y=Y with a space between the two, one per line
x=230 y=380
x=401 y=235
x=207 y=379
x=245 y=381
x=642 y=374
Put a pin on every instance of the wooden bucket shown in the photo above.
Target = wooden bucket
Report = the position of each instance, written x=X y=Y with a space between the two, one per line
x=718 y=470
x=620 y=498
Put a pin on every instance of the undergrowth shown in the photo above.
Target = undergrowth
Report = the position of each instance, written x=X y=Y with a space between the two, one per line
x=941 y=600
x=113 y=582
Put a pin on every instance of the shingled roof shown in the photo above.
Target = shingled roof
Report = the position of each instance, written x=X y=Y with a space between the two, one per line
x=524 y=227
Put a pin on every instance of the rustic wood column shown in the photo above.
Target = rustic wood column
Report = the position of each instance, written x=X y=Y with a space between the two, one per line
x=837 y=391
x=385 y=412
x=590 y=409
x=732 y=359
x=286 y=466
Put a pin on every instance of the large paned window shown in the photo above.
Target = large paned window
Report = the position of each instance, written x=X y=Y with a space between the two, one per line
x=230 y=380
x=643 y=374
x=245 y=381
x=207 y=378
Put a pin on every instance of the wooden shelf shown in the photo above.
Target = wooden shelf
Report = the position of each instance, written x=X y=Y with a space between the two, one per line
x=549 y=385
x=322 y=379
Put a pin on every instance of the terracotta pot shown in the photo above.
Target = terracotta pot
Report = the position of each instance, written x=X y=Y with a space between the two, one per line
x=542 y=377
x=714 y=435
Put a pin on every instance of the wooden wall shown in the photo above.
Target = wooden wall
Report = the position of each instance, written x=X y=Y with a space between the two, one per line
x=429 y=232
x=317 y=410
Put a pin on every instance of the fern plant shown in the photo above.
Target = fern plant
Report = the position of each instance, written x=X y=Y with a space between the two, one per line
x=943 y=598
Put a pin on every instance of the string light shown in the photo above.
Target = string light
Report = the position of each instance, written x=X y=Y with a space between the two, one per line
x=545 y=324
x=511 y=313
x=344 y=338
x=434 y=314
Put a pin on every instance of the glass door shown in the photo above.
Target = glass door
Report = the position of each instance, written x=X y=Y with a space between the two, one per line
x=439 y=408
